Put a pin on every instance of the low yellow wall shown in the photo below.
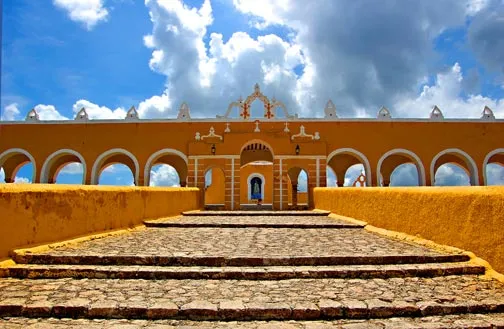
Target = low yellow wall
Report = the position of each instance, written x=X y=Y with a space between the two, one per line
x=470 y=218
x=40 y=213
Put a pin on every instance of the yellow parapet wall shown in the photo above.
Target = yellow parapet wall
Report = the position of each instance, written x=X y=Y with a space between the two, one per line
x=37 y=214
x=470 y=218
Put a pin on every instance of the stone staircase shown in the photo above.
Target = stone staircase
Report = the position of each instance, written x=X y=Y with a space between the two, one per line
x=248 y=269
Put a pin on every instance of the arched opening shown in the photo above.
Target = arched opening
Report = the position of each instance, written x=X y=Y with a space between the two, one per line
x=454 y=157
x=405 y=174
x=450 y=174
x=493 y=168
x=347 y=164
x=394 y=159
x=115 y=166
x=164 y=175
x=173 y=158
x=256 y=172
x=17 y=166
x=64 y=167
x=215 y=188
x=298 y=195
x=330 y=177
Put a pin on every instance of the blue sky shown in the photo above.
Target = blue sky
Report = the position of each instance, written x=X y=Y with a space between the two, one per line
x=107 y=55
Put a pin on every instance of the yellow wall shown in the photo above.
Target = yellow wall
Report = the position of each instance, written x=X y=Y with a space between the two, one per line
x=41 y=213
x=215 y=193
x=266 y=171
x=470 y=218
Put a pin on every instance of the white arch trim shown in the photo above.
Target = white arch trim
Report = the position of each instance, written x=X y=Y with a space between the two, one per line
x=4 y=155
x=258 y=141
x=485 y=162
x=154 y=156
x=249 y=179
x=418 y=164
x=359 y=155
x=44 y=175
x=95 y=174
x=473 y=168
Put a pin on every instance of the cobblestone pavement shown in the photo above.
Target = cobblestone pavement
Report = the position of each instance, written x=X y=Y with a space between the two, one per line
x=285 y=299
x=298 y=221
x=250 y=242
x=432 y=322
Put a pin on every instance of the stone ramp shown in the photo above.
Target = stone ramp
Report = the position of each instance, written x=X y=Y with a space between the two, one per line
x=239 y=213
x=480 y=321
x=297 y=299
x=252 y=221
x=239 y=272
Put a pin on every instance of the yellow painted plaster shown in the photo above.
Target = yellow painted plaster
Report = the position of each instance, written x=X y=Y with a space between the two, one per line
x=469 y=218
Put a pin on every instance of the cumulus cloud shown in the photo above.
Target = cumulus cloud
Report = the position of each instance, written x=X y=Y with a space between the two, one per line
x=21 y=180
x=164 y=175
x=73 y=168
x=10 y=112
x=495 y=174
x=49 y=112
x=87 y=12
x=404 y=175
x=451 y=175
x=95 y=111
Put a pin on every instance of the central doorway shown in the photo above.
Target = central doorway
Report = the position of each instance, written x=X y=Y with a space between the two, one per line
x=256 y=176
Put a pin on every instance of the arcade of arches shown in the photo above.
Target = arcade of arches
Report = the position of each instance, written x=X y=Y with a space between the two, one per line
x=239 y=160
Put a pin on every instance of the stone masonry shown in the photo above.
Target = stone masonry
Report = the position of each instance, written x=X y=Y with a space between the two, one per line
x=248 y=270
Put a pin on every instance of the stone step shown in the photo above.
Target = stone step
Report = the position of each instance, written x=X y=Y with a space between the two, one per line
x=297 y=299
x=236 y=213
x=239 y=273
x=172 y=223
x=459 y=321
x=170 y=260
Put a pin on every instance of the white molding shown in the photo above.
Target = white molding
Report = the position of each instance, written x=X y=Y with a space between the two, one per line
x=194 y=157
x=309 y=157
x=263 y=180
x=317 y=172
x=99 y=161
x=27 y=154
x=364 y=160
x=485 y=162
x=155 y=155
x=473 y=168
x=420 y=167
x=232 y=183
x=281 y=180
x=196 y=173
x=44 y=175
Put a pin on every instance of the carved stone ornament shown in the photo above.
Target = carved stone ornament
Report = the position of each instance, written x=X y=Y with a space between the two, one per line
x=286 y=129
x=132 y=114
x=257 y=130
x=211 y=134
x=303 y=134
x=82 y=115
x=32 y=116
x=184 y=112
x=384 y=114
x=436 y=113
x=487 y=114
x=197 y=136
x=227 y=130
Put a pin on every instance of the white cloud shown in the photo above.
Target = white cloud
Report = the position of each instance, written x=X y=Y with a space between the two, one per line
x=95 y=111
x=495 y=174
x=445 y=93
x=21 y=180
x=10 y=112
x=88 y=12
x=48 y=112
x=164 y=175
x=73 y=168
x=451 y=175
x=2 y=175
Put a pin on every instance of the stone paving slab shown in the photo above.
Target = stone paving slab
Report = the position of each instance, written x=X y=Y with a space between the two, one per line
x=237 y=213
x=252 y=221
x=253 y=246
x=299 y=299
x=480 y=321
x=239 y=273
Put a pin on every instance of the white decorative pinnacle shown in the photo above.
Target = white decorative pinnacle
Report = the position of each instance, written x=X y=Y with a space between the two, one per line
x=132 y=114
x=211 y=133
x=436 y=113
x=32 y=116
x=330 y=110
x=487 y=114
x=384 y=114
x=184 y=112
x=302 y=133
x=82 y=115
x=257 y=130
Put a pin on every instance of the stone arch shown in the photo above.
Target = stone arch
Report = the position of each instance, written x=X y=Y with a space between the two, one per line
x=172 y=157
x=355 y=154
x=215 y=193
x=461 y=158
x=107 y=158
x=499 y=155
x=262 y=151
x=293 y=174
x=404 y=153
x=13 y=159
x=58 y=160
x=263 y=183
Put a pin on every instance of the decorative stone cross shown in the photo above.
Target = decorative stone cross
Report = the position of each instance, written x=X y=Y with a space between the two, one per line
x=257 y=127
x=286 y=129
x=227 y=130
